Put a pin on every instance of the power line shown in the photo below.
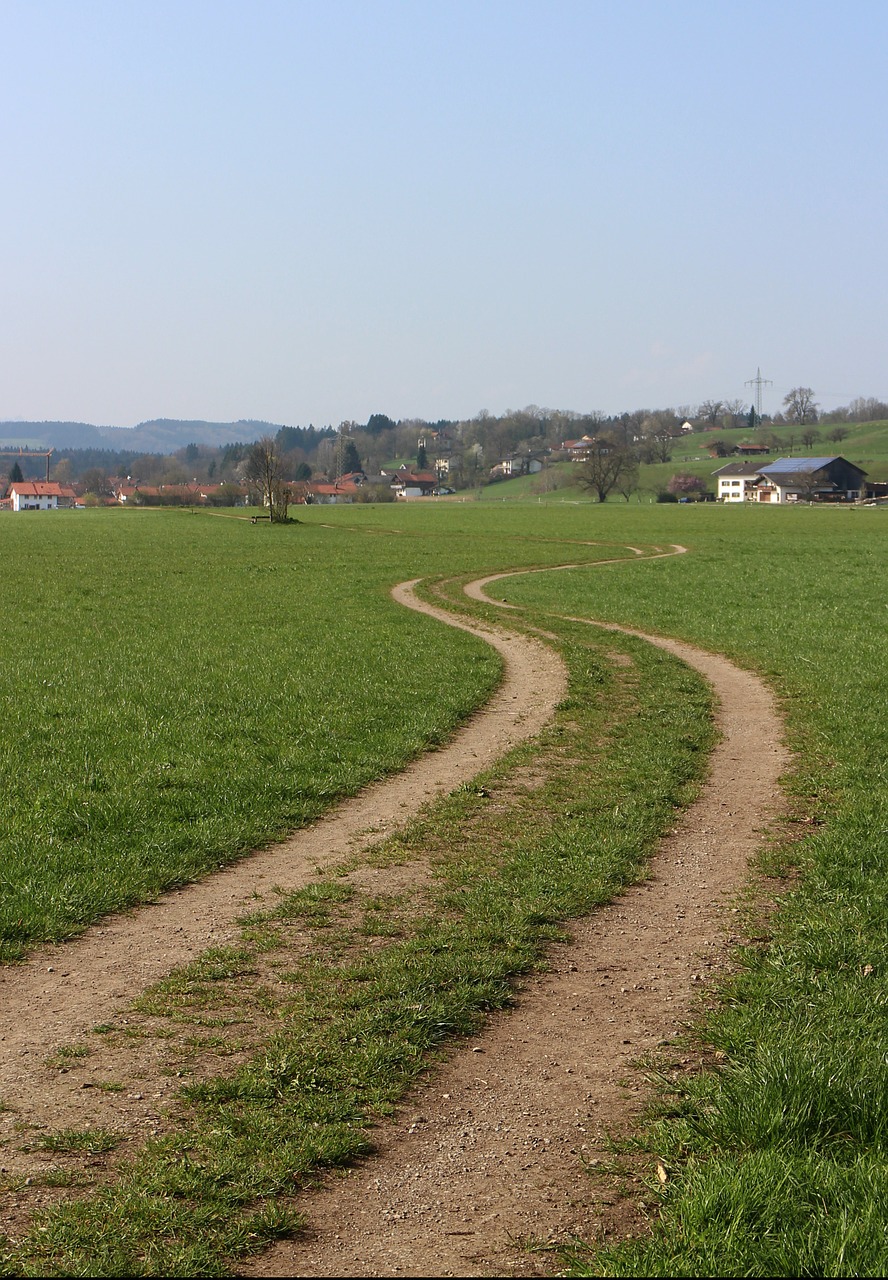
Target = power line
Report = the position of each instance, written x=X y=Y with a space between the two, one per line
x=758 y=382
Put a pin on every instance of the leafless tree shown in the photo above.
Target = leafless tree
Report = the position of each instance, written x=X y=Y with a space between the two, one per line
x=264 y=473
x=735 y=410
x=809 y=484
x=608 y=466
x=711 y=410
x=627 y=480
x=867 y=409
x=800 y=405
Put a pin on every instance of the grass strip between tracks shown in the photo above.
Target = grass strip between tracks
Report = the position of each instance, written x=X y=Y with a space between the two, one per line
x=342 y=1024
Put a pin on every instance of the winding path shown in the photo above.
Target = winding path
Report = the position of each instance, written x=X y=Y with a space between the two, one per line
x=493 y=1150
x=61 y=992
x=493 y=1153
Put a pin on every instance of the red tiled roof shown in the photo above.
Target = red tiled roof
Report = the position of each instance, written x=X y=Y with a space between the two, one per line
x=338 y=487
x=40 y=489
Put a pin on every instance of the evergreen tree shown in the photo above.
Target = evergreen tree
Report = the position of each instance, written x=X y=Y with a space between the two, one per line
x=422 y=461
x=351 y=459
x=15 y=474
x=379 y=422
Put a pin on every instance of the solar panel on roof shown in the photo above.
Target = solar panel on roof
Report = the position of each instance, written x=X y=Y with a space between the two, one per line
x=784 y=466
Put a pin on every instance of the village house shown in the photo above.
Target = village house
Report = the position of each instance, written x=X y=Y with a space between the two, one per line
x=328 y=493
x=810 y=480
x=193 y=494
x=414 y=484
x=579 y=450
x=517 y=464
x=751 y=450
x=41 y=495
x=736 y=481
x=789 y=480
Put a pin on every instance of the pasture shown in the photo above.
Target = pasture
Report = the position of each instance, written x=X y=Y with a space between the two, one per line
x=177 y=689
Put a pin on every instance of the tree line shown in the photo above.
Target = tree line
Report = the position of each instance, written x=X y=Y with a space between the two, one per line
x=469 y=446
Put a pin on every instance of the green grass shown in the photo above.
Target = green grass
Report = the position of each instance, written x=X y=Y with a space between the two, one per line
x=92 y=1141
x=362 y=1020
x=803 y=1026
x=183 y=688
x=776 y=1160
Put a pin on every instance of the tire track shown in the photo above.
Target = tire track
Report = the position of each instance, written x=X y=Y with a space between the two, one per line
x=61 y=992
x=494 y=1150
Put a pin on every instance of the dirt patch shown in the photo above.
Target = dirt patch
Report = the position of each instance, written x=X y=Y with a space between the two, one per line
x=494 y=1150
x=61 y=993
x=490 y=1162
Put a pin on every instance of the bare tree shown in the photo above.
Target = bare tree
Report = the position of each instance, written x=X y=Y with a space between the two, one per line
x=800 y=405
x=711 y=410
x=809 y=435
x=735 y=409
x=606 y=465
x=809 y=484
x=867 y=409
x=264 y=473
x=627 y=480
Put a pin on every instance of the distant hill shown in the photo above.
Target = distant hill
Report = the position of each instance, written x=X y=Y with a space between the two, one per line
x=161 y=435
x=52 y=435
x=166 y=435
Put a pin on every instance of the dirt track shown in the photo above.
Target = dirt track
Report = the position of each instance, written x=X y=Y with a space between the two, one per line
x=62 y=992
x=493 y=1153
x=493 y=1150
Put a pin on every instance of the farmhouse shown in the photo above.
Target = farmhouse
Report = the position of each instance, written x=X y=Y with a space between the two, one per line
x=192 y=495
x=414 y=484
x=751 y=450
x=40 y=495
x=787 y=480
x=330 y=493
x=517 y=464
x=810 y=480
x=579 y=450
x=736 y=481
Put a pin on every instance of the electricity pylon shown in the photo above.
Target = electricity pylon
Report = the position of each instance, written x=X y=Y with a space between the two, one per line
x=758 y=382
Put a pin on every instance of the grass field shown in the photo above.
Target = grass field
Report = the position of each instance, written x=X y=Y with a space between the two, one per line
x=179 y=689
x=780 y=1158
x=182 y=634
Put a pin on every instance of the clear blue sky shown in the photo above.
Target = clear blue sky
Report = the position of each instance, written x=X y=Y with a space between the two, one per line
x=321 y=209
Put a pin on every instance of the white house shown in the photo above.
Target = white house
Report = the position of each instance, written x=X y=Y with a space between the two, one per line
x=736 y=481
x=40 y=495
x=517 y=464
x=787 y=480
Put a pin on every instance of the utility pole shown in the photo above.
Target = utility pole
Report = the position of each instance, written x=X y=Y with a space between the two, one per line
x=343 y=440
x=758 y=382
x=344 y=428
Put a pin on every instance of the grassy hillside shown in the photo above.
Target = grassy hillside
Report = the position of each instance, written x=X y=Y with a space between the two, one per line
x=866 y=445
